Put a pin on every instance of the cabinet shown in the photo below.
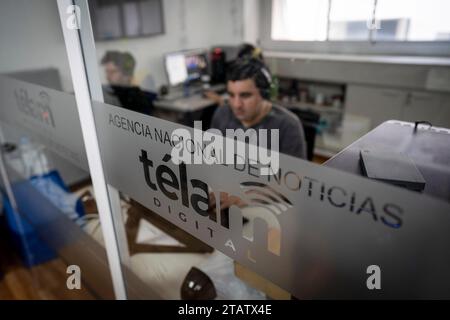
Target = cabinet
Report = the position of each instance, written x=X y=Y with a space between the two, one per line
x=444 y=112
x=325 y=99
x=432 y=107
x=380 y=104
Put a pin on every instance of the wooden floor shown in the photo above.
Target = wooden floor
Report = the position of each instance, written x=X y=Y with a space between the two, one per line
x=319 y=159
x=43 y=282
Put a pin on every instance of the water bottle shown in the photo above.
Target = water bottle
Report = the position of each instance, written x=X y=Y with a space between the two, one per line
x=33 y=157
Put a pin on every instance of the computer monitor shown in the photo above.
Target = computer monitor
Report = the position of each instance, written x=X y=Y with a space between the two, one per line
x=196 y=64
x=176 y=68
x=186 y=66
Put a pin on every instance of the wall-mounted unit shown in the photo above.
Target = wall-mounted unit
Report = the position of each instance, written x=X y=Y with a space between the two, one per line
x=116 y=19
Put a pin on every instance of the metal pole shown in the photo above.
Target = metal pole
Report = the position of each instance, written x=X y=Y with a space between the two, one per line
x=107 y=202
x=96 y=93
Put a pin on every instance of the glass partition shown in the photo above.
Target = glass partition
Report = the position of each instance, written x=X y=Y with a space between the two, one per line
x=118 y=163
x=199 y=226
x=165 y=260
x=47 y=198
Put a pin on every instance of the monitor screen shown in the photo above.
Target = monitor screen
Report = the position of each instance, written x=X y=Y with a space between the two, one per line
x=186 y=66
x=196 y=65
x=176 y=68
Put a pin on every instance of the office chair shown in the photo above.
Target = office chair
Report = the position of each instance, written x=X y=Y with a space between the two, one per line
x=310 y=121
x=135 y=99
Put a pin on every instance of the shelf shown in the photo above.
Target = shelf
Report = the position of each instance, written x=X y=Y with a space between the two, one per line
x=311 y=106
x=381 y=59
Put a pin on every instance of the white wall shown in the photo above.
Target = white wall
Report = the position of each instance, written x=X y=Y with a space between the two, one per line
x=189 y=24
x=31 y=36
x=251 y=21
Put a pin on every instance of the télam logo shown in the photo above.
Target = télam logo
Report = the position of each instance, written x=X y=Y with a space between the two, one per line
x=270 y=204
x=264 y=195
x=196 y=202
x=37 y=108
x=196 y=195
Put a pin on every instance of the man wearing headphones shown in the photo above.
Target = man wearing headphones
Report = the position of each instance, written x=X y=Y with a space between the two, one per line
x=249 y=106
x=119 y=67
x=246 y=51
x=120 y=91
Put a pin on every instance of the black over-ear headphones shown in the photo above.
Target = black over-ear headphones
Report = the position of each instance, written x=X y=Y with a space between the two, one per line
x=263 y=78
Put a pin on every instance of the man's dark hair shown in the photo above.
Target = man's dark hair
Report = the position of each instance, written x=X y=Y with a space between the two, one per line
x=123 y=60
x=255 y=69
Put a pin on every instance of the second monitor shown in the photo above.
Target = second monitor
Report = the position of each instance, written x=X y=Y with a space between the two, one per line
x=186 y=66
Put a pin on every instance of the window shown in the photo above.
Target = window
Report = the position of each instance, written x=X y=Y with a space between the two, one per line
x=299 y=20
x=422 y=20
x=115 y=19
x=361 y=20
x=348 y=20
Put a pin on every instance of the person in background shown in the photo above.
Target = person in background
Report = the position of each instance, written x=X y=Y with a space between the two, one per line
x=119 y=71
x=245 y=51
x=119 y=68
x=249 y=106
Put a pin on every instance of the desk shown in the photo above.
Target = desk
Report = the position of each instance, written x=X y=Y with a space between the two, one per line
x=429 y=148
x=186 y=110
x=192 y=103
